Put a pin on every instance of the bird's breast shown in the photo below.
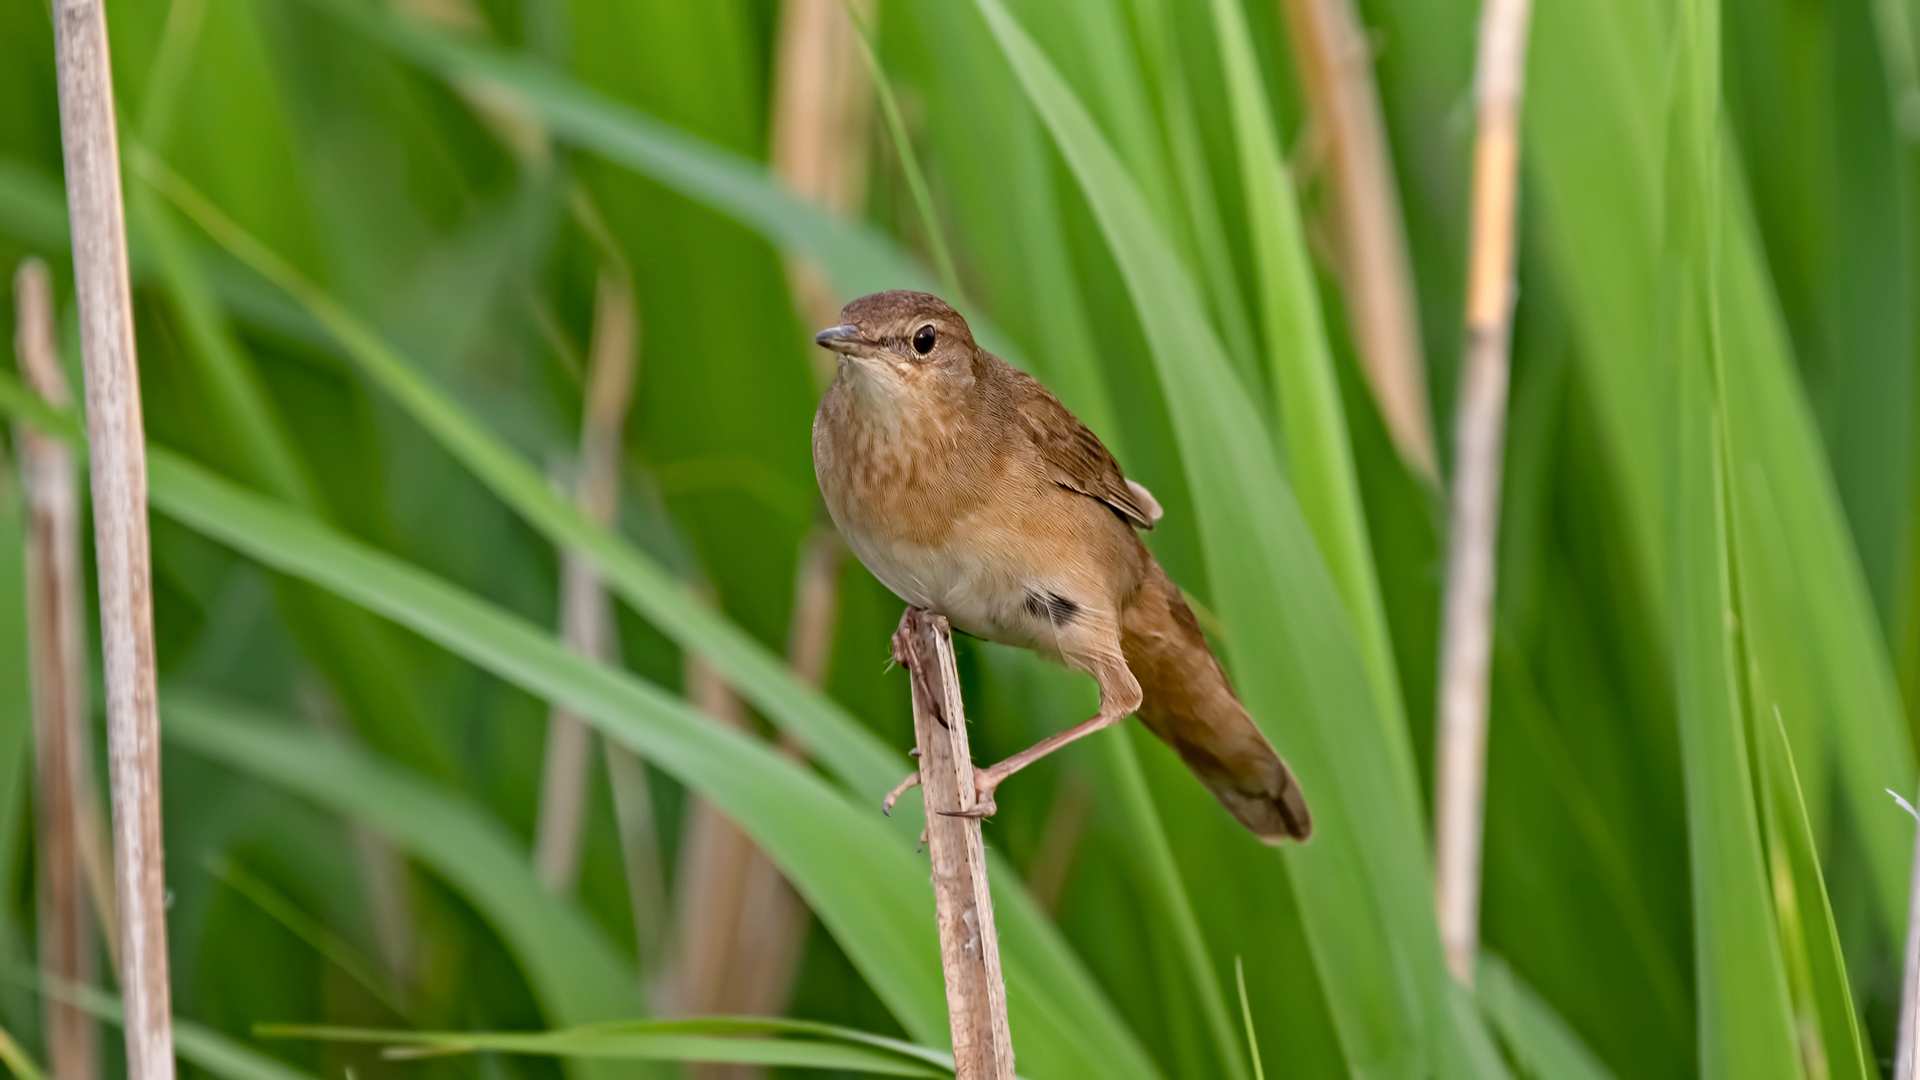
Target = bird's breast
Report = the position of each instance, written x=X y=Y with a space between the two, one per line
x=935 y=514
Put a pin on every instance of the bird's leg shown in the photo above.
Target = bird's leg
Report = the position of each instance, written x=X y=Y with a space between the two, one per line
x=1119 y=697
x=911 y=782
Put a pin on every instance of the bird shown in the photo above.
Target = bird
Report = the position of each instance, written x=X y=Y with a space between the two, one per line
x=969 y=490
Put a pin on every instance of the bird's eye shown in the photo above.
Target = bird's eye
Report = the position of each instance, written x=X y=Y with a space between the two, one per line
x=923 y=340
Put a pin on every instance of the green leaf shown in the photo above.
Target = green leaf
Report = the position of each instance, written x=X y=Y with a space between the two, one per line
x=1312 y=419
x=1363 y=880
x=826 y=730
x=1816 y=970
x=1746 y=1022
x=193 y=1043
x=1540 y=1042
x=349 y=647
x=725 y=1039
x=856 y=258
x=567 y=959
x=571 y=966
x=862 y=881
x=1595 y=132
x=1126 y=785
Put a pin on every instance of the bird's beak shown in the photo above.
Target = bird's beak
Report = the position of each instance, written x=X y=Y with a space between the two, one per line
x=844 y=339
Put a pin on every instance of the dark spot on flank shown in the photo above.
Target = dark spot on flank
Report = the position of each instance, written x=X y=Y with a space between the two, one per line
x=1056 y=609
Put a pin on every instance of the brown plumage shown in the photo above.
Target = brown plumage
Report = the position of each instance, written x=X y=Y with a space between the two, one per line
x=969 y=490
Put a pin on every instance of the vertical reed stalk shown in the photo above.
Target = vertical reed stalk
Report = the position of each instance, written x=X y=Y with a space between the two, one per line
x=585 y=617
x=1909 y=1027
x=741 y=921
x=1466 y=648
x=56 y=643
x=742 y=925
x=1336 y=69
x=963 y=902
x=822 y=102
x=117 y=457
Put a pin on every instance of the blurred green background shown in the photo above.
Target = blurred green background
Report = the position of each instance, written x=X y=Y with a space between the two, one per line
x=375 y=254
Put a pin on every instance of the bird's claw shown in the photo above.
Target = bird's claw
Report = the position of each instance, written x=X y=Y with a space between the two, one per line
x=911 y=782
x=982 y=809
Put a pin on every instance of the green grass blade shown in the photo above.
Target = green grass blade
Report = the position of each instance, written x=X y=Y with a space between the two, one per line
x=17 y=1061
x=856 y=873
x=819 y=1046
x=1363 y=880
x=192 y=1043
x=827 y=731
x=345 y=644
x=1594 y=137
x=1312 y=419
x=570 y=964
x=1126 y=785
x=1158 y=40
x=1540 y=1042
x=1831 y=636
x=255 y=433
x=909 y=164
x=1745 y=1019
x=1246 y=1018
x=1817 y=972
x=855 y=257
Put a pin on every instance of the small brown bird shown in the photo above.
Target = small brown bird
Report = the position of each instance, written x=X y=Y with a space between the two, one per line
x=969 y=490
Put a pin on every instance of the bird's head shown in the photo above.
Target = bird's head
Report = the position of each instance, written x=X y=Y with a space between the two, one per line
x=902 y=344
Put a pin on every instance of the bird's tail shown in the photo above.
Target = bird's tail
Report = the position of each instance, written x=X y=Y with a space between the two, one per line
x=1189 y=704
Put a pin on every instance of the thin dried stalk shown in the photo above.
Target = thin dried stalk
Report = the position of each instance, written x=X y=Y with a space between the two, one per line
x=963 y=902
x=58 y=676
x=714 y=871
x=1467 y=645
x=383 y=868
x=1336 y=68
x=822 y=104
x=742 y=924
x=1904 y=1054
x=586 y=619
x=117 y=455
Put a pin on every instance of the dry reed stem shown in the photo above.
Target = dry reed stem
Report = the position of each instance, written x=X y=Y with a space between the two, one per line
x=1909 y=1027
x=117 y=458
x=1467 y=644
x=585 y=615
x=963 y=902
x=822 y=104
x=715 y=869
x=1336 y=67
x=56 y=641
x=383 y=867
x=742 y=924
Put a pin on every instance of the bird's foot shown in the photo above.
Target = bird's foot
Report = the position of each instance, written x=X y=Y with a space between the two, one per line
x=984 y=783
x=911 y=782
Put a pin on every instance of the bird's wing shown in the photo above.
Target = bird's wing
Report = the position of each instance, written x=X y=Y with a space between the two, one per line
x=1075 y=457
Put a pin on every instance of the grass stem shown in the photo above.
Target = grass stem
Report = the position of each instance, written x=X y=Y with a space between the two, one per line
x=56 y=643
x=1335 y=61
x=118 y=463
x=1466 y=648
